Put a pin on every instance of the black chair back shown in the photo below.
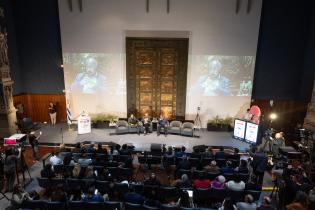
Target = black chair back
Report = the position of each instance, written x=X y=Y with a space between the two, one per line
x=102 y=186
x=218 y=194
x=133 y=206
x=76 y=205
x=168 y=207
x=50 y=205
x=43 y=182
x=202 y=196
x=212 y=176
x=145 y=207
x=112 y=205
x=236 y=196
x=34 y=204
x=94 y=205
x=166 y=193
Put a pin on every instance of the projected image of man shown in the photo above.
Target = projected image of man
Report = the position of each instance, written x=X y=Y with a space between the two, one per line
x=90 y=80
x=214 y=83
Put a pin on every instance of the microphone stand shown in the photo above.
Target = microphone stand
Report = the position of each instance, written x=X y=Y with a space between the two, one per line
x=61 y=131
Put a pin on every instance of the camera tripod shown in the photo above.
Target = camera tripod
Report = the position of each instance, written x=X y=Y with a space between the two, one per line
x=197 y=121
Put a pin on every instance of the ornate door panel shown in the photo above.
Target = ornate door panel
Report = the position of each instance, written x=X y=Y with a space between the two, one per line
x=156 y=76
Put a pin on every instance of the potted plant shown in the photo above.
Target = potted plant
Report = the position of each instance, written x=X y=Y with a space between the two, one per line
x=102 y=120
x=219 y=124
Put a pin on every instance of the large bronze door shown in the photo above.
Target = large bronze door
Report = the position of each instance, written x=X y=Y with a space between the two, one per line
x=156 y=76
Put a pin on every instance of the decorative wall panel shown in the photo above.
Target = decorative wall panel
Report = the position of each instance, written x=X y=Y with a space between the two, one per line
x=156 y=76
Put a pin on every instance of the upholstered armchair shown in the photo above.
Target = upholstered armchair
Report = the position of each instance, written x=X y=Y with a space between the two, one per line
x=175 y=127
x=122 y=127
x=187 y=129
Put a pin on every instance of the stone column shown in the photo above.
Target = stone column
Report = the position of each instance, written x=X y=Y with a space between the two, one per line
x=7 y=110
x=309 y=121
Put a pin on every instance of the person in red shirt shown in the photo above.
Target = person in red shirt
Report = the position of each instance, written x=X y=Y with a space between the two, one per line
x=202 y=182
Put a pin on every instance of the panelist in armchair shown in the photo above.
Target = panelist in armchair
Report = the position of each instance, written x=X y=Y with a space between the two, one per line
x=146 y=121
x=163 y=123
x=134 y=123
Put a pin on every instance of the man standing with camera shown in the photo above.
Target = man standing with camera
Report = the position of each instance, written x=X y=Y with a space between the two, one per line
x=12 y=156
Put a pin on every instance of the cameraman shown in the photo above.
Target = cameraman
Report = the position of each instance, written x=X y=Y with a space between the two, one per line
x=10 y=167
x=259 y=165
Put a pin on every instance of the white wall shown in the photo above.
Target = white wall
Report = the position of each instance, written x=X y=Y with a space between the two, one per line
x=213 y=27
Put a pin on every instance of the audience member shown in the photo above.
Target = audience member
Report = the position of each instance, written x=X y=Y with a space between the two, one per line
x=124 y=150
x=85 y=161
x=227 y=204
x=101 y=150
x=152 y=180
x=202 y=182
x=67 y=161
x=183 y=182
x=219 y=182
x=300 y=202
x=185 y=201
x=47 y=172
x=183 y=164
x=212 y=168
x=89 y=173
x=152 y=200
x=227 y=168
x=208 y=153
x=169 y=153
x=266 y=205
x=54 y=159
x=236 y=184
x=248 y=203
x=18 y=196
x=90 y=149
x=242 y=168
x=62 y=148
x=221 y=154
x=181 y=153
x=133 y=197
x=77 y=148
x=235 y=155
x=92 y=196
x=76 y=172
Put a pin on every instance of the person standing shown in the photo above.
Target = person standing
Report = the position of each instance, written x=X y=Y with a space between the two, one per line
x=53 y=113
x=259 y=165
x=33 y=141
x=10 y=162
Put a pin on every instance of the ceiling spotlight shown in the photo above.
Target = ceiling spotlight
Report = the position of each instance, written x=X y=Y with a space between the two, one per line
x=273 y=116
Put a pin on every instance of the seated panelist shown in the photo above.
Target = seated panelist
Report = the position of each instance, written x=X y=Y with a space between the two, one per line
x=146 y=121
x=163 y=123
x=134 y=122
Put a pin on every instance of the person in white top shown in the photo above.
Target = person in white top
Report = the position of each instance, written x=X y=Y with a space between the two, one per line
x=248 y=204
x=248 y=116
x=236 y=184
x=54 y=159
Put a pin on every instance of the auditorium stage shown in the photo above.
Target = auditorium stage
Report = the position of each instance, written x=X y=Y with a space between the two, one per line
x=52 y=135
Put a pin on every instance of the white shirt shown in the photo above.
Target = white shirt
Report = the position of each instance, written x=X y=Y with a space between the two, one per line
x=55 y=160
x=236 y=186
x=246 y=206
x=248 y=116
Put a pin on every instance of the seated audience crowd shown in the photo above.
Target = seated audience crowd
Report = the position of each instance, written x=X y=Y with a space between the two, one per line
x=104 y=174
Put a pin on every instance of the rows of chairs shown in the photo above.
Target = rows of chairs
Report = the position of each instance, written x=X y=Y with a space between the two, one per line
x=163 y=192
x=115 y=171
x=194 y=161
x=106 y=205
